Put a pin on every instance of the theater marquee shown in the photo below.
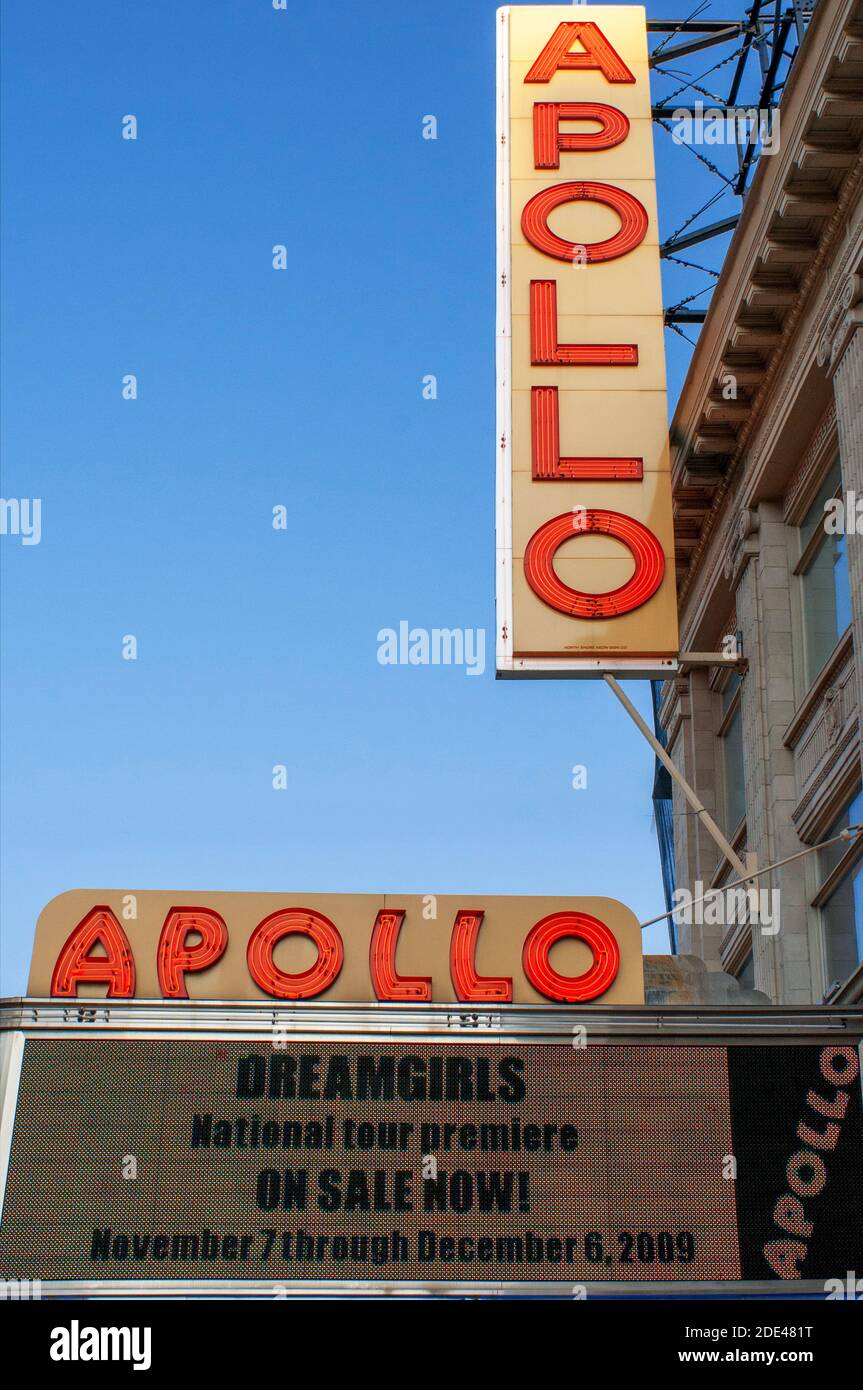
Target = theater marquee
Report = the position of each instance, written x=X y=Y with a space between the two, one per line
x=149 y=1147
x=585 y=555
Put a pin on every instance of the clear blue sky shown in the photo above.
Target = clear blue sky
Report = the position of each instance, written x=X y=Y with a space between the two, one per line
x=256 y=388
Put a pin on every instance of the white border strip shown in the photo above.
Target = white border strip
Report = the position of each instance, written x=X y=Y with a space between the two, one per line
x=332 y=1289
x=503 y=355
x=11 y=1057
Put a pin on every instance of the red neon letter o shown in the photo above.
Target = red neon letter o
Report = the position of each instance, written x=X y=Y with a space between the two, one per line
x=641 y=542
x=565 y=988
x=319 y=929
x=633 y=221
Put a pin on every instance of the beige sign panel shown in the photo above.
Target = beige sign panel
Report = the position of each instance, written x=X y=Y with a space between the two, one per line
x=585 y=553
x=334 y=947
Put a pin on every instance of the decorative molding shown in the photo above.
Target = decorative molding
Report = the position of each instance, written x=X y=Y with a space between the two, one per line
x=819 y=744
x=845 y=317
x=744 y=544
x=718 y=529
x=761 y=418
x=847 y=229
x=824 y=736
x=675 y=709
x=832 y=717
x=806 y=481
x=829 y=789
x=835 y=671
x=691 y=623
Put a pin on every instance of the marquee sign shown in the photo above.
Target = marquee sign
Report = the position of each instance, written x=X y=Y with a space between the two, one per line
x=337 y=947
x=273 y=1161
x=585 y=553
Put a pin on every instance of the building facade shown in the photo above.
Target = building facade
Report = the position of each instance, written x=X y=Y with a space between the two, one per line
x=767 y=448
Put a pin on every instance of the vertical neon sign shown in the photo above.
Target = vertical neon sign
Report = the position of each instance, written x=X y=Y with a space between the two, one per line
x=585 y=563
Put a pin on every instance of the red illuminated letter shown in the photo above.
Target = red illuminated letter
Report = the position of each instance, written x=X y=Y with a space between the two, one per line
x=471 y=988
x=597 y=54
x=307 y=922
x=633 y=222
x=643 y=545
x=546 y=351
x=784 y=1256
x=844 y=1073
x=570 y=989
x=175 y=956
x=548 y=141
x=382 y=963
x=548 y=466
x=76 y=965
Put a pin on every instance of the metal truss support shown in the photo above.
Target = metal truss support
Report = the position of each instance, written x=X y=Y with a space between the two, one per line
x=684 y=239
x=766 y=33
x=722 y=35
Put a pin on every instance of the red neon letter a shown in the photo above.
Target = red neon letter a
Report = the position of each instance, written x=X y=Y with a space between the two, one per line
x=76 y=963
x=597 y=54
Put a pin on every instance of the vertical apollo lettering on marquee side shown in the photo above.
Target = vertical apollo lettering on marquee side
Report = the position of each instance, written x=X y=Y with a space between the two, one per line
x=585 y=542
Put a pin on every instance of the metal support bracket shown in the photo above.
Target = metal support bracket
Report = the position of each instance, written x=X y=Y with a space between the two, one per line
x=712 y=659
x=742 y=870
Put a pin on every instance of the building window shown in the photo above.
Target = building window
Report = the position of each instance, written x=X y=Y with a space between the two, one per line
x=840 y=897
x=822 y=572
x=731 y=743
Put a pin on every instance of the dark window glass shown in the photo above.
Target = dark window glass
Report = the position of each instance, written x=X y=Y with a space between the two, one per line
x=842 y=914
x=732 y=772
x=824 y=587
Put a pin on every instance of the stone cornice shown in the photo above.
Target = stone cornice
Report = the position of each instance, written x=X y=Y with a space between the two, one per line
x=767 y=422
x=721 y=522
x=794 y=219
